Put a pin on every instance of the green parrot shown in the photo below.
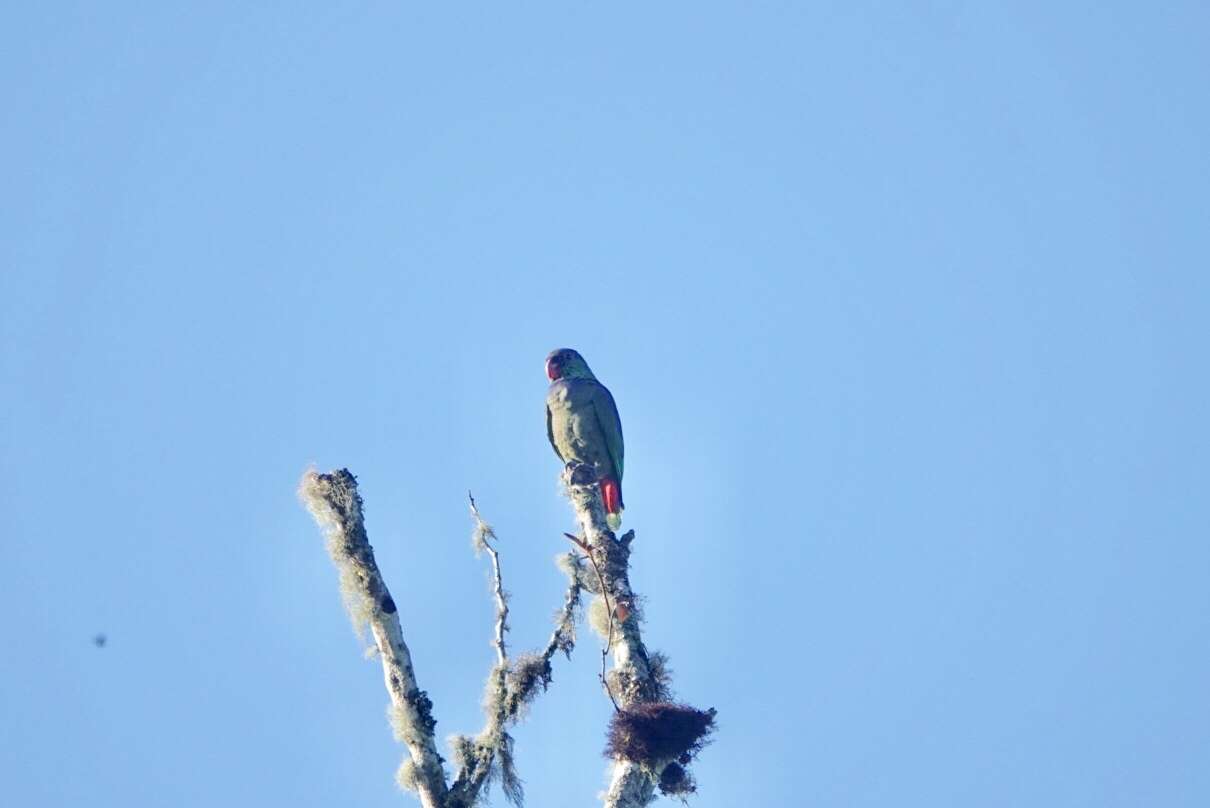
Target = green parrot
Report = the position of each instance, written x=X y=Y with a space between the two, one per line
x=583 y=425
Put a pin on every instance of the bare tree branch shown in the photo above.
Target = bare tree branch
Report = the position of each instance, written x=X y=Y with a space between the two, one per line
x=489 y=755
x=651 y=740
x=509 y=687
x=483 y=537
x=633 y=681
x=334 y=502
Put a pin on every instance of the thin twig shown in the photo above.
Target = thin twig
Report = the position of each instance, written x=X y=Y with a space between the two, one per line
x=487 y=533
x=608 y=608
x=563 y=637
x=490 y=752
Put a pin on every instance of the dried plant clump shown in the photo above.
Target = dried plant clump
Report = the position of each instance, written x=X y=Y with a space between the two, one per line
x=564 y=637
x=676 y=781
x=655 y=732
x=573 y=566
x=407 y=777
x=598 y=617
x=661 y=675
x=488 y=760
x=530 y=674
x=510 y=782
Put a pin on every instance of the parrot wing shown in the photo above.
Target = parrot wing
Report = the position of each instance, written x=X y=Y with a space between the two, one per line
x=610 y=424
x=550 y=435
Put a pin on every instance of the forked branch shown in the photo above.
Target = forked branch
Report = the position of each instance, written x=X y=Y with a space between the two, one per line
x=650 y=739
x=335 y=503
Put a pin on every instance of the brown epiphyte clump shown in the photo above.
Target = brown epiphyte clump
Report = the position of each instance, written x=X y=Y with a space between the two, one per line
x=676 y=781
x=656 y=732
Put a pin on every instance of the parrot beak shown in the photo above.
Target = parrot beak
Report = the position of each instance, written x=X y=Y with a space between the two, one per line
x=552 y=370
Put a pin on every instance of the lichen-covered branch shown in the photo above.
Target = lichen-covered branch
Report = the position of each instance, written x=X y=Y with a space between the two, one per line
x=482 y=539
x=510 y=687
x=632 y=680
x=482 y=759
x=651 y=740
x=611 y=616
x=334 y=502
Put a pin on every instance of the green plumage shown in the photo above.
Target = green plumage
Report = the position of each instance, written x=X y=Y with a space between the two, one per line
x=582 y=419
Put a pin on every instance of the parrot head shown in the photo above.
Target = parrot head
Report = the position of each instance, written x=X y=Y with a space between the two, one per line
x=565 y=363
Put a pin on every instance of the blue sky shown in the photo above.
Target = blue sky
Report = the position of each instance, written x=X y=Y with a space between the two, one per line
x=901 y=306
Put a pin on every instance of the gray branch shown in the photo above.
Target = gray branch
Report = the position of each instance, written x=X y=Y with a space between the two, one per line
x=337 y=507
x=510 y=686
x=489 y=754
x=634 y=679
x=483 y=538
x=334 y=502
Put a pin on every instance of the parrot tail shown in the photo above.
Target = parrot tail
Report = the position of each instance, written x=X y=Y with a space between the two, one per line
x=611 y=494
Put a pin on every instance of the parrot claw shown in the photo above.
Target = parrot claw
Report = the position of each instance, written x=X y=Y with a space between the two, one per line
x=580 y=473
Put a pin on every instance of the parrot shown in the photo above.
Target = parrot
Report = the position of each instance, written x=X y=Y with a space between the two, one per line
x=583 y=426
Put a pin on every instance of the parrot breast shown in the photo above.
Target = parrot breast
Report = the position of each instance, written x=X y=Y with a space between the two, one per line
x=575 y=428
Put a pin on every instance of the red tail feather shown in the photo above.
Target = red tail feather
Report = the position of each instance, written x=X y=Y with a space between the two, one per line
x=611 y=492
